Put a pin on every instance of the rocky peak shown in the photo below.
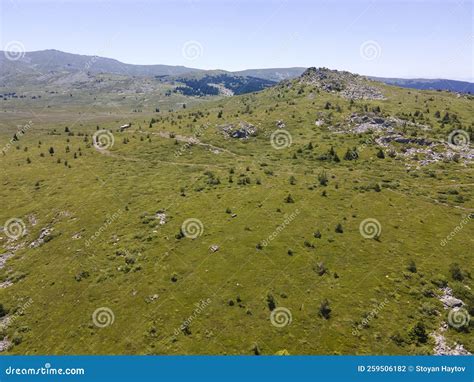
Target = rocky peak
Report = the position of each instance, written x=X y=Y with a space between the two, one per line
x=347 y=84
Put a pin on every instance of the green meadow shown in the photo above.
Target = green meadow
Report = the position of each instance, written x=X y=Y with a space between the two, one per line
x=274 y=260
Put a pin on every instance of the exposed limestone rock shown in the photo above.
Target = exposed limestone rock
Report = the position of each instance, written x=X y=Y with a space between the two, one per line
x=244 y=130
x=161 y=216
x=280 y=124
x=45 y=232
x=441 y=346
x=4 y=257
x=348 y=85
x=4 y=344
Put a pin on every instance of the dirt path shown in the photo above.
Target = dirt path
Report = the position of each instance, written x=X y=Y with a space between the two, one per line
x=189 y=140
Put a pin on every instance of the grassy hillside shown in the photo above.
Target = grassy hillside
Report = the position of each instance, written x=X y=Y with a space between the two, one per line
x=277 y=256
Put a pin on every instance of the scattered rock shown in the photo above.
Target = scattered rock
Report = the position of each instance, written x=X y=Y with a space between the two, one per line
x=280 y=124
x=124 y=127
x=77 y=235
x=243 y=131
x=161 y=216
x=448 y=300
x=5 y=284
x=441 y=346
x=32 y=220
x=5 y=344
x=452 y=302
x=152 y=298
x=214 y=248
x=4 y=257
x=44 y=233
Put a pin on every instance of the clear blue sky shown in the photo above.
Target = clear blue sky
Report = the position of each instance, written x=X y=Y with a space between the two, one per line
x=402 y=38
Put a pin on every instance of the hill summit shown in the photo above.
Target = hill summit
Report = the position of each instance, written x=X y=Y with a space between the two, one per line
x=348 y=85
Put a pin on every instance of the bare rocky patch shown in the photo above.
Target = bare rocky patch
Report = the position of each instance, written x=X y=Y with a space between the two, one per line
x=242 y=130
x=441 y=345
x=345 y=84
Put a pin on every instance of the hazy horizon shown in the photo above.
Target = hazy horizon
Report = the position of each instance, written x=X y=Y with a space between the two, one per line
x=397 y=39
x=270 y=67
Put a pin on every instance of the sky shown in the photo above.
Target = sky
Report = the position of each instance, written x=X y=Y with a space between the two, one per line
x=401 y=38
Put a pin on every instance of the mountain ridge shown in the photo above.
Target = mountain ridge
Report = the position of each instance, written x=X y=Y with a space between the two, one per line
x=52 y=61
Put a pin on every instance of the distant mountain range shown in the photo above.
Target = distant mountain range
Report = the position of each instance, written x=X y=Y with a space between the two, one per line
x=47 y=66
x=429 y=84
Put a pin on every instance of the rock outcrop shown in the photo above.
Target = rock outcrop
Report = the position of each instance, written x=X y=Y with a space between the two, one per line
x=348 y=85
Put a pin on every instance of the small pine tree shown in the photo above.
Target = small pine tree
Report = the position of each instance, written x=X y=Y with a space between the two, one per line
x=418 y=333
x=380 y=154
x=411 y=266
x=289 y=199
x=3 y=311
x=51 y=150
x=456 y=272
x=323 y=178
x=325 y=310
x=351 y=154
x=271 y=301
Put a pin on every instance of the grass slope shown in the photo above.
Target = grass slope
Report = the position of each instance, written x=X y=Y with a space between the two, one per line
x=153 y=280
